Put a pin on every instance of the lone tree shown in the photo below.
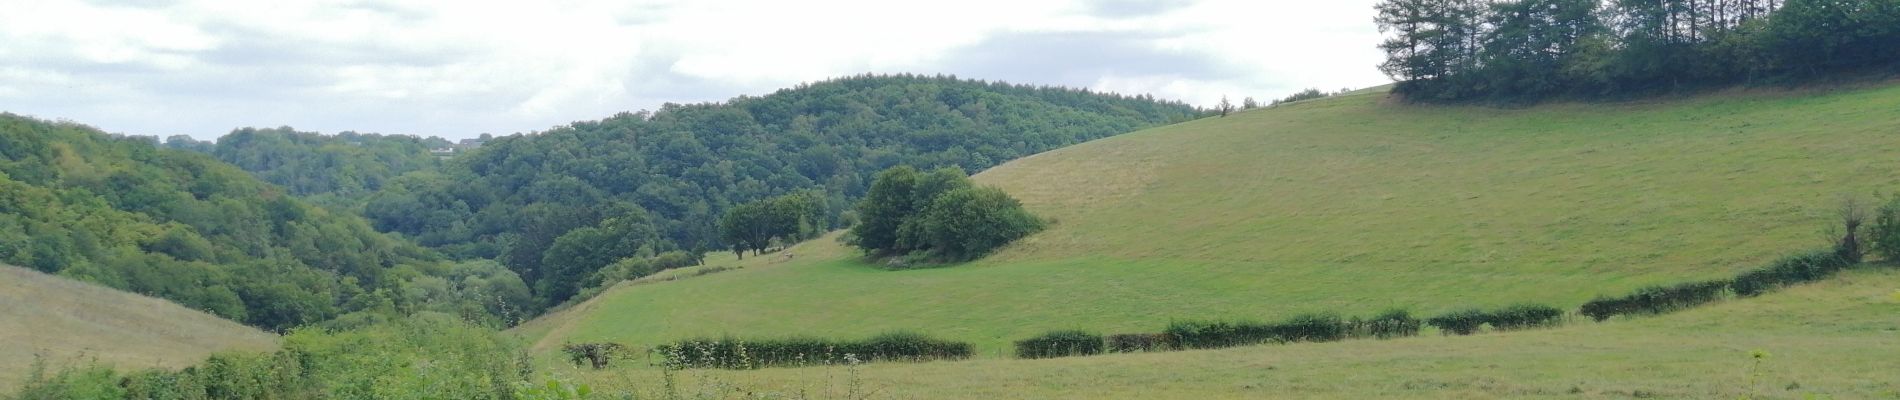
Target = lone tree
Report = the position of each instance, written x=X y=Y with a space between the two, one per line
x=1225 y=106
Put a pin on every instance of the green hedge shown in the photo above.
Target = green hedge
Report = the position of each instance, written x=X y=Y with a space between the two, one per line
x=1060 y=344
x=1655 y=300
x=1390 y=324
x=1461 y=322
x=1525 y=316
x=1140 y=342
x=732 y=353
x=1801 y=268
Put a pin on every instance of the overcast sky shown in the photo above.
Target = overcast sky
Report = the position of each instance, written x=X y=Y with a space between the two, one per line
x=461 y=68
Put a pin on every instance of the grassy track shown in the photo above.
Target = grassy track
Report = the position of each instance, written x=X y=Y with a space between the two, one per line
x=1347 y=204
x=68 y=321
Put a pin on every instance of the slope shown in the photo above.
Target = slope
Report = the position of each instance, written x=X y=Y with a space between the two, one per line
x=1346 y=204
x=66 y=321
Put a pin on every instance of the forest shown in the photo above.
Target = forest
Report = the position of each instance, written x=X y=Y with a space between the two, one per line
x=331 y=170
x=122 y=212
x=1529 y=50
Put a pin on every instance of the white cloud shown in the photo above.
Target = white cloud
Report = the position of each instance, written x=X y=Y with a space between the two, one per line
x=460 y=68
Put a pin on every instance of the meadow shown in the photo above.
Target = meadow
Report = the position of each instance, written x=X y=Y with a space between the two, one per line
x=1348 y=204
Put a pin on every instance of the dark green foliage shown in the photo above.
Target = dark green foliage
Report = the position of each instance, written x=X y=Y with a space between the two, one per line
x=731 y=353
x=1524 y=316
x=782 y=220
x=687 y=165
x=339 y=169
x=1528 y=50
x=1655 y=300
x=1802 y=268
x=938 y=215
x=1303 y=95
x=1060 y=344
x=1139 y=342
x=1884 y=233
x=1461 y=322
x=429 y=356
x=1217 y=334
x=1389 y=324
x=182 y=226
x=596 y=355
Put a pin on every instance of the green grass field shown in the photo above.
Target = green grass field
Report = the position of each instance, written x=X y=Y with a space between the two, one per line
x=1348 y=204
x=69 y=322
x=1830 y=340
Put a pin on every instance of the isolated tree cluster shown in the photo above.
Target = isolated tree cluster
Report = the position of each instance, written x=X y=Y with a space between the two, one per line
x=1532 y=49
x=939 y=215
x=783 y=220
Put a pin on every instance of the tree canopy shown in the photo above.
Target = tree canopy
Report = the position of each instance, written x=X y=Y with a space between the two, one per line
x=123 y=212
x=939 y=215
x=1517 y=50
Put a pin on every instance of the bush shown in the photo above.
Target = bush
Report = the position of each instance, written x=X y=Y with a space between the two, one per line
x=1060 y=344
x=1805 y=267
x=1390 y=324
x=379 y=361
x=1524 y=316
x=731 y=353
x=1462 y=322
x=1139 y=342
x=1655 y=300
x=1885 y=231
x=1311 y=328
x=1218 y=334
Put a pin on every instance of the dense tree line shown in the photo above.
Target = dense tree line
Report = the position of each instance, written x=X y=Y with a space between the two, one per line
x=339 y=169
x=1513 y=50
x=125 y=213
x=937 y=216
x=683 y=167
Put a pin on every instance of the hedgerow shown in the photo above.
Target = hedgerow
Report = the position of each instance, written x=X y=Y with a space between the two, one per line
x=1060 y=344
x=733 y=353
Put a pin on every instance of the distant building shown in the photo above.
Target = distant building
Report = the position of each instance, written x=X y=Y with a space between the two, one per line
x=471 y=143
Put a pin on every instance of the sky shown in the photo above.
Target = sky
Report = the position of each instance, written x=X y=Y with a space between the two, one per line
x=458 y=69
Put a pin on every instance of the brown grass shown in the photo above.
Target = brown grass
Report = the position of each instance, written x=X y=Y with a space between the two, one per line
x=69 y=321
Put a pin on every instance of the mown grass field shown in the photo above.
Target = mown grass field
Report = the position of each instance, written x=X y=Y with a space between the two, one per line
x=1348 y=204
x=1831 y=340
x=69 y=322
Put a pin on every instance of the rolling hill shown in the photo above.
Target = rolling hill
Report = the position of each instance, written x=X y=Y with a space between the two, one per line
x=68 y=321
x=1347 y=204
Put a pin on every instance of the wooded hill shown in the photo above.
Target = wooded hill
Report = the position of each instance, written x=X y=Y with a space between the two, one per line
x=664 y=178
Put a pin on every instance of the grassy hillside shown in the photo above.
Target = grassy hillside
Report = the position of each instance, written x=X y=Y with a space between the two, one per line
x=1819 y=341
x=1345 y=204
x=67 y=321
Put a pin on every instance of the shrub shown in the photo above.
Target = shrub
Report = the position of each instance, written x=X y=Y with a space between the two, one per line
x=1218 y=334
x=1060 y=344
x=1311 y=328
x=1390 y=324
x=1805 y=267
x=1885 y=231
x=1524 y=316
x=732 y=353
x=1139 y=342
x=1655 y=299
x=1462 y=322
x=596 y=355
